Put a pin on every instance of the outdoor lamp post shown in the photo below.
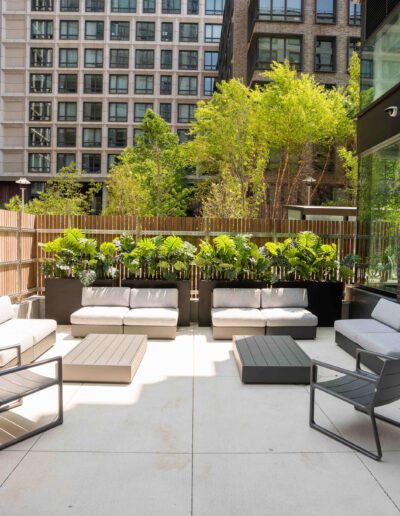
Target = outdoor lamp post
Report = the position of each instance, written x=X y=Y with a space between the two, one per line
x=309 y=182
x=23 y=185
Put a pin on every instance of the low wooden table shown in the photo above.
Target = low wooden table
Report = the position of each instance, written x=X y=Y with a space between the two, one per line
x=271 y=359
x=105 y=358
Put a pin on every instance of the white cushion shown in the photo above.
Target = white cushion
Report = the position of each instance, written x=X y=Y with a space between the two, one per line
x=386 y=343
x=237 y=317
x=6 y=309
x=387 y=312
x=284 y=297
x=352 y=328
x=39 y=329
x=100 y=315
x=288 y=317
x=154 y=298
x=236 y=298
x=152 y=317
x=11 y=338
x=105 y=296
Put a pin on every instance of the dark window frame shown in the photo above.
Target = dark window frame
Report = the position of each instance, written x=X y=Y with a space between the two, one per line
x=189 y=118
x=94 y=163
x=169 y=7
x=188 y=91
x=262 y=65
x=66 y=117
x=47 y=34
x=69 y=6
x=46 y=77
x=116 y=90
x=96 y=63
x=94 y=6
x=92 y=111
x=116 y=36
x=116 y=117
x=168 y=115
x=167 y=35
x=212 y=39
x=39 y=170
x=66 y=36
x=121 y=59
x=148 y=105
x=187 y=39
x=67 y=63
x=182 y=66
x=145 y=91
x=42 y=5
x=45 y=130
x=166 y=52
x=151 y=33
x=327 y=19
x=68 y=89
x=114 y=140
x=42 y=118
x=46 y=51
x=144 y=52
x=167 y=91
x=331 y=39
x=94 y=141
x=99 y=33
x=85 y=79
x=123 y=9
x=63 y=141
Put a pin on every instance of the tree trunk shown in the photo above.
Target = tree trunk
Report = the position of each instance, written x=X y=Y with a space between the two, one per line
x=279 y=182
x=319 y=180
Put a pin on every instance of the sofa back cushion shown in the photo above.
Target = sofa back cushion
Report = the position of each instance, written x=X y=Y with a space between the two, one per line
x=6 y=309
x=105 y=296
x=154 y=298
x=284 y=298
x=236 y=298
x=387 y=312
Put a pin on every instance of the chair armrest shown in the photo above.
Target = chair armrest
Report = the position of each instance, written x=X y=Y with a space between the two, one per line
x=17 y=347
x=356 y=374
x=15 y=369
x=370 y=353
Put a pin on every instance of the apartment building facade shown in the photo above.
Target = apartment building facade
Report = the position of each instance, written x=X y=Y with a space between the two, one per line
x=77 y=76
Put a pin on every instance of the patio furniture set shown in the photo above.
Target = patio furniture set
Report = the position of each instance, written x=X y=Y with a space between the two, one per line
x=263 y=323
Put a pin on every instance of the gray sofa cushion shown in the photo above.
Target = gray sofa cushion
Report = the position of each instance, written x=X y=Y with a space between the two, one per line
x=154 y=298
x=237 y=317
x=284 y=297
x=236 y=298
x=6 y=309
x=352 y=328
x=386 y=343
x=38 y=329
x=288 y=317
x=101 y=315
x=387 y=312
x=152 y=317
x=105 y=296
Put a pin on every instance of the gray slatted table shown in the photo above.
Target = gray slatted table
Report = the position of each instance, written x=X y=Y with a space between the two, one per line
x=271 y=359
x=105 y=358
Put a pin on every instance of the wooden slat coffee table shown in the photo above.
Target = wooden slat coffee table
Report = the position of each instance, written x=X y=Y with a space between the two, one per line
x=105 y=358
x=271 y=359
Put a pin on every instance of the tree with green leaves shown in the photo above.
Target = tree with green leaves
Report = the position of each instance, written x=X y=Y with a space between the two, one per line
x=149 y=178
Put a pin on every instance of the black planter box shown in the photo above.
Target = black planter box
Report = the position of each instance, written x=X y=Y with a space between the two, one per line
x=183 y=287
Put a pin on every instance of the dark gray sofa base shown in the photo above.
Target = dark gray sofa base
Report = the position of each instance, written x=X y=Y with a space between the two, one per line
x=152 y=332
x=227 y=332
x=296 y=332
x=34 y=352
x=374 y=363
x=83 y=330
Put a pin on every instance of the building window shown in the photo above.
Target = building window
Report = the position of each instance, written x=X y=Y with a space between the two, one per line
x=68 y=58
x=119 y=31
x=40 y=83
x=171 y=6
x=69 y=6
x=193 y=6
x=67 y=111
x=92 y=83
x=210 y=60
x=91 y=163
x=278 y=49
x=66 y=137
x=42 y=5
x=215 y=7
x=94 y=6
x=117 y=137
x=69 y=29
x=112 y=159
x=144 y=58
x=94 y=30
x=137 y=134
x=93 y=58
x=325 y=58
x=188 y=59
x=144 y=84
x=123 y=6
x=140 y=110
x=65 y=160
x=212 y=33
x=39 y=163
x=39 y=137
x=280 y=10
x=118 y=84
x=91 y=137
x=183 y=135
x=40 y=111
x=41 y=29
x=117 y=112
x=166 y=85
x=187 y=85
x=92 y=111
x=119 y=58
x=165 y=111
x=325 y=11
x=208 y=86
x=166 y=60
x=41 y=57
x=167 y=31
x=145 y=31
x=354 y=13
x=186 y=113
x=149 y=6
x=189 y=32
x=67 y=83
x=354 y=45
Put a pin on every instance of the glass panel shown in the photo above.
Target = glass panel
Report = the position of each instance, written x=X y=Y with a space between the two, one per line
x=123 y=6
x=40 y=83
x=167 y=31
x=166 y=59
x=67 y=111
x=118 y=112
x=145 y=31
x=91 y=163
x=93 y=58
x=171 y=6
x=118 y=84
x=119 y=31
x=210 y=60
x=192 y=6
x=149 y=6
x=325 y=56
x=65 y=160
x=188 y=32
x=144 y=58
x=69 y=5
x=325 y=11
x=39 y=163
x=94 y=30
x=140 y=110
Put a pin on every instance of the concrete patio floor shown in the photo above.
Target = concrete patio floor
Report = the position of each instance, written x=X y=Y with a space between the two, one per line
x=187 y=437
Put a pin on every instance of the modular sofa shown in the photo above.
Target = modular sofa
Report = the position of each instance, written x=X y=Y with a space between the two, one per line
x=271 y=311
x=144 y=311
x=34 y=336
x=380 y=334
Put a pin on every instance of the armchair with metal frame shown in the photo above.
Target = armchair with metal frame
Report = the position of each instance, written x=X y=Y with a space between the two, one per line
x=364 y=390
x=20 y=381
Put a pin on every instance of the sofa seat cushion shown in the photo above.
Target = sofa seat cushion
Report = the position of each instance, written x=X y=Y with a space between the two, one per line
x=152 y=317
x=101 y=315
x=6 y=309
x=105 y=296
x=288 y=317
x=236 y=298
x=154 y=298
x=237 y=317
x=12 y=338
x=386 y=343
x=352 y=328
x=284 y=297
x=39 y=329
x=387 y=312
